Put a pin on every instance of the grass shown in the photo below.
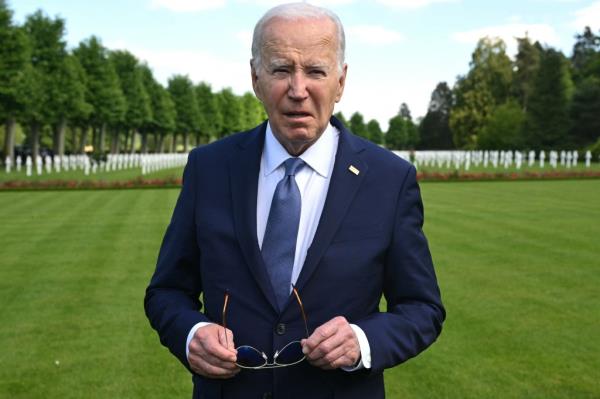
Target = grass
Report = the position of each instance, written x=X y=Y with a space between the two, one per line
x=79 y=175
x=518 y=264
x=580 y=167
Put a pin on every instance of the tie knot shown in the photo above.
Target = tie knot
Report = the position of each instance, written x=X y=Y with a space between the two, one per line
x=292 y=165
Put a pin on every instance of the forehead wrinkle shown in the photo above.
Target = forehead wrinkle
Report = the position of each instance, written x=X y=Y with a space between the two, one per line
x=274 y=55
x=318 y=38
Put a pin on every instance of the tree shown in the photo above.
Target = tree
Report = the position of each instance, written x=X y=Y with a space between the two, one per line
x=230 y=108
x=137 y=100
x=585 y=107
x=47 y=57
x=211 y=119
x=162 y=107
x=253 y=111
x=14 y=56
x=402 y=132
x=357 y=125
x=182 y=92
x=585 y=112
x=502 y=130
x=547 y=122
x=473 y=103
x=340 y=116
x=375 y=132
x=412 y=132
x=487 y=84
x=102 y=91
x=395 y=137
x=69 y=100
x=405 y=112
x=586 y=55
x=434 y=129
x=526 y=65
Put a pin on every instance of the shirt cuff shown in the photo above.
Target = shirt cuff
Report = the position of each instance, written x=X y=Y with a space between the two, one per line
x=365 y=350
x=191 y=335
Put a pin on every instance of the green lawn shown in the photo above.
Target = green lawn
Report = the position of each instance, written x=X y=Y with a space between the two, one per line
x=518 y=264
x=79 y=175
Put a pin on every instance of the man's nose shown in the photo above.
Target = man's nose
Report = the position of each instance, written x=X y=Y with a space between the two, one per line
x=298 y=90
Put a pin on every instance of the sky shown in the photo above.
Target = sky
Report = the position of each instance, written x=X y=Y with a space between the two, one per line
x=397 y=50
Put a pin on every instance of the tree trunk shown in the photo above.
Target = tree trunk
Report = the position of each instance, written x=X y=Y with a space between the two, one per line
x=160 y=144
x=144 y=147
x=126 y=142
x=133 y=135
x=58 y=142
x=73 y=139
x=156 y=142
x=35 y=141
x=83 y=141
x=174 y=143
x=9 y=139
x=114 y=141
x=95 y=137
x=102 y=139
x=186 y=143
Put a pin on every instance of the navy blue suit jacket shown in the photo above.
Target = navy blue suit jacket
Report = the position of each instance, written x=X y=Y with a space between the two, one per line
x=369 y=242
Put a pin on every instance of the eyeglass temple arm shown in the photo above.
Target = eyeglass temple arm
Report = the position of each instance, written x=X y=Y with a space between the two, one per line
x=224 y=322
x=295 y=291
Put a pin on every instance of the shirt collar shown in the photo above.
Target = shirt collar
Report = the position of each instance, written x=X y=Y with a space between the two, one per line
x=317 y=156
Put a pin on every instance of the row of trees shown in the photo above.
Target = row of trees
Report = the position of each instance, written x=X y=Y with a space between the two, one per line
x=540 y=100
x=108 y=99
x=105 y=99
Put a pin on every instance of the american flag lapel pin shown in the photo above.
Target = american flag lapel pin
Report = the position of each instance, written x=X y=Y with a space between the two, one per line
x=353 y=169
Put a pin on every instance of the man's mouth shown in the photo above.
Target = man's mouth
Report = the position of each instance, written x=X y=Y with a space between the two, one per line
x=297 y=114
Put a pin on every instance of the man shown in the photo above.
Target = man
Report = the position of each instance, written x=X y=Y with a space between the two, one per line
x=292 y=232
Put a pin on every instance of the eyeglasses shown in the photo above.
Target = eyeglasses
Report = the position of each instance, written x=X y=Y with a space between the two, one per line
x=249 y=357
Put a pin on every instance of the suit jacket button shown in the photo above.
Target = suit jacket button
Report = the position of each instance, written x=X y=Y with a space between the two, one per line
x=280 y=330
x=267 y=395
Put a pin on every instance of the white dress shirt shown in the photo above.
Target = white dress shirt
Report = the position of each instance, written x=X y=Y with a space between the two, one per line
x=313 y=182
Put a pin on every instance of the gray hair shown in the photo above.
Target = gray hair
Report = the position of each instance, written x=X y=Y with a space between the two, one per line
x=294 y=12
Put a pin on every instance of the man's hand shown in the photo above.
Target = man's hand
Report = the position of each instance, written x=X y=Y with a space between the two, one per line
x=212 y=354
x=332 y=345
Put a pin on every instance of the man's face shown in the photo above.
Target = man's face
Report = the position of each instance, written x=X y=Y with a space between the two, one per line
x=298 y=80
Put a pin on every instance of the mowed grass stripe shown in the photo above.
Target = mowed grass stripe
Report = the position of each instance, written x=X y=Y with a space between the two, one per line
x=515 y=262
x=38 y=234
x=86 y=295
x=521 y=299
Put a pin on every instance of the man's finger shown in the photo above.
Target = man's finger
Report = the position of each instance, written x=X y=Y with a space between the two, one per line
x=324 y=347
x=321 y=334
x=209 y=360
x=202 y=367
x=210 y=353
x=213 y=342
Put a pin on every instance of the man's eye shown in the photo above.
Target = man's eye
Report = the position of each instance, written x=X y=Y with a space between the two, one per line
x=280 y=70
x=317 y=72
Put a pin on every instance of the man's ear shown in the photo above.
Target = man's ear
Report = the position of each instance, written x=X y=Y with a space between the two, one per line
x=255 y=85
x=341 y=83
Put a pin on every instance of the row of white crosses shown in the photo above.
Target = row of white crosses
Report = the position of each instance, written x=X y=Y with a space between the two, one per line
x=47 y=164
x=155 y=162
x=147 y=162
x=495 y=159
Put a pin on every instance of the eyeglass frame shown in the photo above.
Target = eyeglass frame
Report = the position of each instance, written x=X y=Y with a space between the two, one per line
x=267 y=365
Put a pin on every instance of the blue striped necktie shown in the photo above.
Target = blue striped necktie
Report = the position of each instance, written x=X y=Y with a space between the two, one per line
x=279 y=243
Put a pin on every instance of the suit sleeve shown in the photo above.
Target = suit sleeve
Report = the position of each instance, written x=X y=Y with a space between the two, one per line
x=415 y=312
x=172 y=299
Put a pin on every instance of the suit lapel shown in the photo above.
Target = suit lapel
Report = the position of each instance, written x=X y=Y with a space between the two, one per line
x=343 y=187
x=244 y=167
